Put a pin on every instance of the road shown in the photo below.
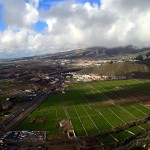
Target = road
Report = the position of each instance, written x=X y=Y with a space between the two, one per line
x=22 y=113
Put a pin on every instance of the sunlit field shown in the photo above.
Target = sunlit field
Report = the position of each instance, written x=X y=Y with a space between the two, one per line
x=94 y=107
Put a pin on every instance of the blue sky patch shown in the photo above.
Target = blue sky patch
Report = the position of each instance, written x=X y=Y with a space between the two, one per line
x=90 y=1
x=46 y=4
x=40 y=26
x=2 y=26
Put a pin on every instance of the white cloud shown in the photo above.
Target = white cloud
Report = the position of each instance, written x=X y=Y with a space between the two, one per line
x=70 y=25
x=31 y=14
x=20 y=14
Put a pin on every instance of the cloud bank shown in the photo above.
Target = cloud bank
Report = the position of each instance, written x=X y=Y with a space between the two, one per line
x=72 y=25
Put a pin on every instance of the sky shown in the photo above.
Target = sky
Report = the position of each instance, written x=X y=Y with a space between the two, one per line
x=34 y=27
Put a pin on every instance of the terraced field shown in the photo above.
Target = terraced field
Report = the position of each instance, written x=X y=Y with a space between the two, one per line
x=94 y=107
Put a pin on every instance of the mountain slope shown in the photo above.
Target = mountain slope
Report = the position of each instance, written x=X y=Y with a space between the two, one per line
x=119 y=69
x=100 y=53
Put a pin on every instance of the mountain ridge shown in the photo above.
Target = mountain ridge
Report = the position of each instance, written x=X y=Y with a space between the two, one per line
x=99 y=52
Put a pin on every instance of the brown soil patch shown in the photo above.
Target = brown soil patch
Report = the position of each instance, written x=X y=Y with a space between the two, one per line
x=41 y=120
x=53 y=138
x=62 y=147
x=101 y=105
x=112 y=95
x=133 y=96
x=38 y=119
x=126 y=102
x=32 y=120
x=145 y=100
x=90 y=97
x=137 y=93
x=120 y=98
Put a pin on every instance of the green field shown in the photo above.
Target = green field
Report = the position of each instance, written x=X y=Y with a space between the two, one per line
x=92 y=108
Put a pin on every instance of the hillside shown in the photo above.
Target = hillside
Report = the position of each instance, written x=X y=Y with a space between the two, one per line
x=100 y=53
x=93 y=53
x=119 y=69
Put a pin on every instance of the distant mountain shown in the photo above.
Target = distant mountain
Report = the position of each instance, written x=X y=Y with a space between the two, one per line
x=93 y=53
x=100 y=53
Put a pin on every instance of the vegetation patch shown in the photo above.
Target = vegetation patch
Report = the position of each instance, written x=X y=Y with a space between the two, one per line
x=92 y=117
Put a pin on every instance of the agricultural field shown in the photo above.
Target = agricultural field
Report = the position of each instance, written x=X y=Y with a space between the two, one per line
x=94 y=107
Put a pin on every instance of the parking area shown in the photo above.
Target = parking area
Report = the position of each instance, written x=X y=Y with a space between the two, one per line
x=28 y=136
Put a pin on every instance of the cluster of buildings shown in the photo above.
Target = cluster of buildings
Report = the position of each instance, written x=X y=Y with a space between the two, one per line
x=28 y=136
x=88 y=63
x=81 y=62
x=93 y=77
